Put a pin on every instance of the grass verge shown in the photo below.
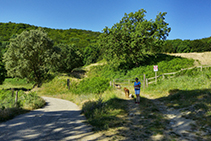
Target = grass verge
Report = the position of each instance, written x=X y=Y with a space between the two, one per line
x=26 y=102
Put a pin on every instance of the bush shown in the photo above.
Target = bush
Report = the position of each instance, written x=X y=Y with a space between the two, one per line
x=29 y=101
x=26 y=102
x=91 y=85
x=102 y=115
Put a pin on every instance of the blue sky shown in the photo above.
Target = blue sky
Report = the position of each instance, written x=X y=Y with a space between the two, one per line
x=188 y=19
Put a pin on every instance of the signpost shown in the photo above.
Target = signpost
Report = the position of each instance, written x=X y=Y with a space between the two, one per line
x=155 y=70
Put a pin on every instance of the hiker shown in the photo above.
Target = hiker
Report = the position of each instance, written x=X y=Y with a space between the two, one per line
x=137 y=87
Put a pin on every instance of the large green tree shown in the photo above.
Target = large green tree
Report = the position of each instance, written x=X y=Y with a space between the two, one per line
x=2 y=68
x=69 y=57
x=129 y=41
x=29 y=55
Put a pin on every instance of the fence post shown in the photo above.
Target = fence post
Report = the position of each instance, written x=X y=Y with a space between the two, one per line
x=147 y=82
x=113 y=83
x=144 y=81
x=110 y=83
x=12 y=92
x=201 y=68
x=156 y=77
x=68 y=83
x=16 y=98
x=163 y=76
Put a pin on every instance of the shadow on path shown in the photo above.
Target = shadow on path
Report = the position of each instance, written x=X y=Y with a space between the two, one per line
x=48 y=123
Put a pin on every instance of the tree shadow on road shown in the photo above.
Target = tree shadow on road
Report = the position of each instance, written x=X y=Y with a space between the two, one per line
x=39 y=125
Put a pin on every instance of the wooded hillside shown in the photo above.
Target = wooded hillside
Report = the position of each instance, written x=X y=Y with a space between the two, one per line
x=78 y=37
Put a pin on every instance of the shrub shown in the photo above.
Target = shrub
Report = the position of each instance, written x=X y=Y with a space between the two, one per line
x=92 y=85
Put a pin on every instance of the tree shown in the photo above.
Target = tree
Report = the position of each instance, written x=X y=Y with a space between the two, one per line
x=91 y=54
x=2 y=69
x=29 y=55
x=130 y=40
x=68 y=59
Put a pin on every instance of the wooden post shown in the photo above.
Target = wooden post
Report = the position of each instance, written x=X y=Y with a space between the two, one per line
x=110 y=83
x=147 y=82
x=156 y=77
x=68 y=83
x=201 y=68
x=163 y=76
x=16 y=98
x=144 y=81
x=128 y=81
x=12 y=92
x=113 y=83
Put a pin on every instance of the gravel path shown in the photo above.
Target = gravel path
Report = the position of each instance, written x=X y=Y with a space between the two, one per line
x=58 y=120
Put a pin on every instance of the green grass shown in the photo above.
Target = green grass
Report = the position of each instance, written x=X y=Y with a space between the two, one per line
x=25 y=103
x=15 y=83
x=199 y=80
x=165 y=64
x=104 y=114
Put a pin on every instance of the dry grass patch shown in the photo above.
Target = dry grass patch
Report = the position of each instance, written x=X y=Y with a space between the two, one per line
x=204 y=58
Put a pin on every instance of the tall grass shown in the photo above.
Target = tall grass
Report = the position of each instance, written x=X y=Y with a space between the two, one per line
x=171 y=64
x=187 y=81
x=16 y=83
x=25 y=103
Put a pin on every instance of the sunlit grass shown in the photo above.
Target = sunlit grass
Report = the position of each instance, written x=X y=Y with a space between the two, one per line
x=16 y=83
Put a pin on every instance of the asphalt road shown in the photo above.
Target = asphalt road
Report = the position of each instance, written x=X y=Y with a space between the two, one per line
x=58 y=120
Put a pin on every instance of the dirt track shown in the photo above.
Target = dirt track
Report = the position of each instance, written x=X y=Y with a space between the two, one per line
x=58 y=120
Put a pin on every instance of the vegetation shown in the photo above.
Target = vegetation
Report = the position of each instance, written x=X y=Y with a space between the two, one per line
x=81 y=40
x=29 y=56
x=130 y=48
x=165 y=62
x=69 y=57
x=128 y=42
x=16 y=83
x=186 y=46
x=26 y=102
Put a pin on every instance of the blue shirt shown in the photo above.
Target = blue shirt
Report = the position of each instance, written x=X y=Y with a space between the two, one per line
x=137 y=83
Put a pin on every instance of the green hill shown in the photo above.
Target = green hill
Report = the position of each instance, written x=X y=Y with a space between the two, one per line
x=80 y=38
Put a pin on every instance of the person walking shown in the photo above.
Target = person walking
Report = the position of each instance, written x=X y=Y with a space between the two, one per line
x=137 y=87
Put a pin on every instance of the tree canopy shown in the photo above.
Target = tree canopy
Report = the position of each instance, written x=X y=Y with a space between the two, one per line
x=29 y=55
x=2 y=69
x=133 y=37
x=69 y=57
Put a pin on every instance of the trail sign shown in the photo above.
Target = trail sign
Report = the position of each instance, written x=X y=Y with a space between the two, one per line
x=155 y=68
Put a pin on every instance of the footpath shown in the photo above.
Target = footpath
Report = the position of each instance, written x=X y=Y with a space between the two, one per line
x=174 y=125
x=59 y=120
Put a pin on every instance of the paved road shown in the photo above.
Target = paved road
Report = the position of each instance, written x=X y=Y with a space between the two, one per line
x=58 y=120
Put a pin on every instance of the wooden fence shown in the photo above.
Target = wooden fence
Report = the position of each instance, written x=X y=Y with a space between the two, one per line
x=171 y=75
x=117 y=83
x=146 y=81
